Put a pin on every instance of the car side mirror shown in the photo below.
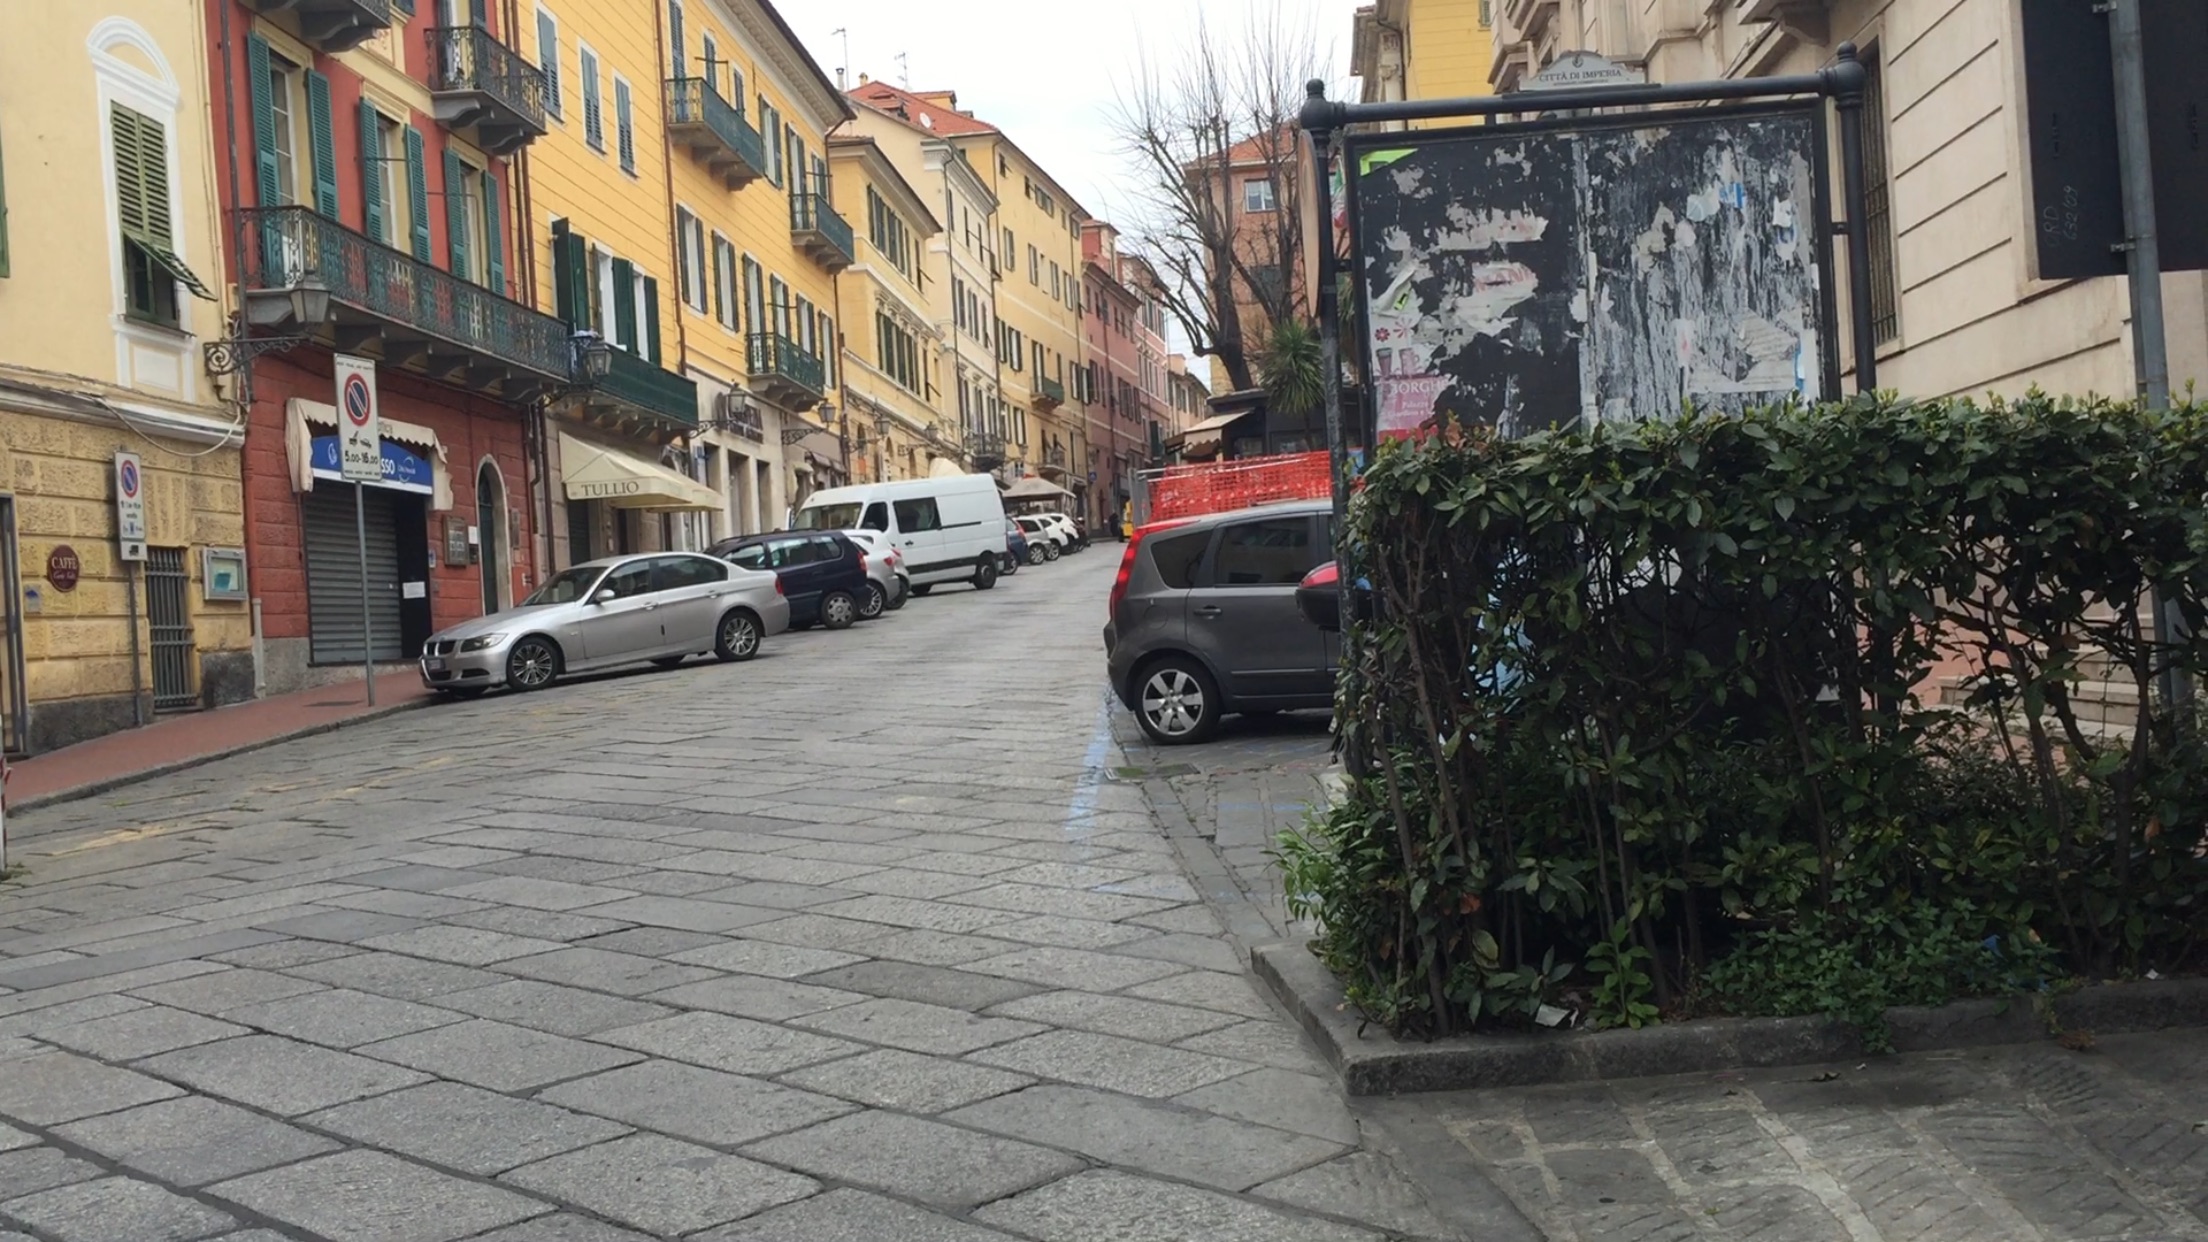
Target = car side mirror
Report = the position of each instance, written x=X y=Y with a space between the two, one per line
x=604 y=597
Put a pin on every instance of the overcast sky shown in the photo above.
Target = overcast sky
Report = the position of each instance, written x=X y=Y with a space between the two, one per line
x=1046 y=74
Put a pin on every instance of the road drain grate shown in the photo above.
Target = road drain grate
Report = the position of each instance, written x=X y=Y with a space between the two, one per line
x=1162 y=771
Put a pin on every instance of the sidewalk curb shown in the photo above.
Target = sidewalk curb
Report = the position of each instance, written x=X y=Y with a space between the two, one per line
x=1373 y=1062
x=112 y=783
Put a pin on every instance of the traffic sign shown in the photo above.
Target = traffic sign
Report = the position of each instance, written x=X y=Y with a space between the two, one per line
x=359 y=424
x=130 y=505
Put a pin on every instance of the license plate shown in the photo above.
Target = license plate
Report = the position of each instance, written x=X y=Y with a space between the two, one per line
x=435 y=666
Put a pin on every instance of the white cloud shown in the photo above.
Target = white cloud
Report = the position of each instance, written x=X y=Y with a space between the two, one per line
x=1046 y=75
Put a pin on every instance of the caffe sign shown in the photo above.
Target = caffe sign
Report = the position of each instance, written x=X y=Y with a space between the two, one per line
x=63 y=567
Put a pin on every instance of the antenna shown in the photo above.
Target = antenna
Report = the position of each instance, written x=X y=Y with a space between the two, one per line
x=844 y=33
x=904 y=71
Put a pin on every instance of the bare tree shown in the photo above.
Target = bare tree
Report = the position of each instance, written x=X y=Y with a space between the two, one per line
x=1196 y=130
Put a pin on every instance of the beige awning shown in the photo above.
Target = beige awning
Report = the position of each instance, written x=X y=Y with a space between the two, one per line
x=1217 y=422
x=595 y=472
x=1034 y=487
x=302 y=416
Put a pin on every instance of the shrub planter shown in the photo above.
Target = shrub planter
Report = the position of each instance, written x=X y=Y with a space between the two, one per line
x=1373 y=1062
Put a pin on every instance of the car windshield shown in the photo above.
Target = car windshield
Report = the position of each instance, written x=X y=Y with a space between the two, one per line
x=565 y=587
x=827 y=517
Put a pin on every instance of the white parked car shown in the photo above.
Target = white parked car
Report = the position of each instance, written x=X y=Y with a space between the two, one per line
x=662 y=607
x=885 y=568
x=949 y=529
x=1045 y=542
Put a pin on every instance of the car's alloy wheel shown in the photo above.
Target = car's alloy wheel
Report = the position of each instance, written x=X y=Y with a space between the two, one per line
x=838 y=610
x=1035 y=554
x=1177 y=703
x=1051 y=552
x=877 y=602
x=533 y=664
x=737 y=638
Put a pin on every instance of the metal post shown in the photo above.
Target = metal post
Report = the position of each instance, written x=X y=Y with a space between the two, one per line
x=367 y=618
x=1849 y=79
x=137 y=674
x=2143 y=250
x=1320 y=133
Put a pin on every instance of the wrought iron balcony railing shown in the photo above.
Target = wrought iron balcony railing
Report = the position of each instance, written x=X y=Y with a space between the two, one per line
x=480 y=84
x=419 y=317
x=784 y=372
x=637 y=382
x=1049 y=393
x=715 y=131
x=821 y=232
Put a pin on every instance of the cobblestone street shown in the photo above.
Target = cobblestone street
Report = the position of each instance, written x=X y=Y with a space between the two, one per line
x=867 y=939
x=888 y=935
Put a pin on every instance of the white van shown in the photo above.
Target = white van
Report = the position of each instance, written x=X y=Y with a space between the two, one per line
x=951 y=529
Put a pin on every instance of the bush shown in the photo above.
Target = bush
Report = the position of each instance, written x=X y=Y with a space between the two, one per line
x=1651 y=716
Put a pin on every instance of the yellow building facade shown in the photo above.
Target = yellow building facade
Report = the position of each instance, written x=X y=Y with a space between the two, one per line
x=892 y=372
x=110 y=287
x=1423 y=49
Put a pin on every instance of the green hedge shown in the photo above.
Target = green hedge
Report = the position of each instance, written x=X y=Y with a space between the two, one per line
x=1659 y=719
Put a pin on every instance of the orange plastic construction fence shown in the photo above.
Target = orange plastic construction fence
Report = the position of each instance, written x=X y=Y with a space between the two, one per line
x=1220 y=487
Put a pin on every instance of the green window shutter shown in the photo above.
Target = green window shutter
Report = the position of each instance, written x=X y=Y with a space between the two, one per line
x=130 y=188
x=266 y=192
x=624 y=305
x=494 y=243
x=593 y=313
x=674 y=34
x=456 y=218
x=325 y=148
x=3 y=216
x=417 y=194
x=571 y=280
x=371 y=173
x=651 y=320
x=142 y=193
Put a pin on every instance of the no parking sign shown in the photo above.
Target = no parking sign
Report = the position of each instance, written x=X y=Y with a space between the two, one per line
x=130 y=506
x=359 y=426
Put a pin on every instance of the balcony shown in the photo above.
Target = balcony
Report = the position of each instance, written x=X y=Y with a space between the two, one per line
x=785 y=374
x=1049 y=393
x=332 y=26
x=1526 y=19
x=1810 y=19
x=716 y=133
x=822 y=234
x=639 y=398
x=482 y=88
x=1054 y=458
x=391 y=306
x=984 y=451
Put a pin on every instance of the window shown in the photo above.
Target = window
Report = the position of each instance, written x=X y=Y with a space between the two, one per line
x=877 y=517
x=770 y=125
x=918 y=514
x=1878 y=214
x=1010 y=252
x=1257 y=194
x=690 y=242
x=677 y=572
x=1034 y=265
x=778 y=306
x=1273 y=552
x=724 y=281
x=754 y=297
x=830 y=351
x=712 y=63
x=958 y=303
x=151 y=268
x=594 y=117
x=886 y=229
x=807 y=327
x=1057 y=289
x=283 y=87
x=1038 y=360
x=624 y=125
x=899 y=354
x=750 y=556
x=676 y=46
x=548 y=58
x=389 y=171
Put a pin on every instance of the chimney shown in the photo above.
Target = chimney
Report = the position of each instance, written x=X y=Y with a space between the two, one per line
x=863 y=79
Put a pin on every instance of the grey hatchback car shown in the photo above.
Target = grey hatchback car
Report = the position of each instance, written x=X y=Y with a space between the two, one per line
x=1204 y=621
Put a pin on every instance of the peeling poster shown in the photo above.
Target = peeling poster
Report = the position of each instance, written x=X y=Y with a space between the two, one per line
x=1532 y=278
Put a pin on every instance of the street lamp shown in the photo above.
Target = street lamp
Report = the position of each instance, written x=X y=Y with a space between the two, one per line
x=593 y=356
x=307 y=305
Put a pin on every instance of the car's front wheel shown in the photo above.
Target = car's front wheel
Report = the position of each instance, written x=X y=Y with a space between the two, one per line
x=838 y=610
x=985 y=574
x=736 y=638
x=876 y=602
x=904 y=592
x=1176 y=702
x=533 y=664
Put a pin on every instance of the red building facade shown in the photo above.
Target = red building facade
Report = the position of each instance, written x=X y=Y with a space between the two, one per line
x=369 y=171
x=1111 y=374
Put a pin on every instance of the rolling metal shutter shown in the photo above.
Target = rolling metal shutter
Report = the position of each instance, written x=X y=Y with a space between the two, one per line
x=333 y=574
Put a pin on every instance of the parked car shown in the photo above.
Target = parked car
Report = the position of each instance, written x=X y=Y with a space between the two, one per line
x=620 y=610
x=1044 y=541
x=885 y=567
x=823 y=574
x=1204 y=620
x=950 y=529
x=1016 y=550
x=1077 y=535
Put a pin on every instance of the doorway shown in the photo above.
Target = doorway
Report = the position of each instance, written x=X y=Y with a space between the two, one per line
x=169 y=622
x=490 y=512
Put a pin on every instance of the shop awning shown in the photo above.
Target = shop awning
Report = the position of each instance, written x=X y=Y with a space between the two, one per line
x=595 y=472
x=1034 y=487
x=1207 y=437
x=310 y=461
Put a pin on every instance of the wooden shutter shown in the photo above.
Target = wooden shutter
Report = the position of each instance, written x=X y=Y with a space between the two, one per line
x=266 y=192
x=594 y=121
x=624 y=121
x=130 y=189
x=548 y=56
x=570 y=279
x=371 y=173
x=651 y=320
x=417 y=193
x=142 y=193
x=325 y=146
x=456 y=217
x=494 y=241
x=3 y=217
x=674 y=34
x=593 y=295
x=624 y=304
